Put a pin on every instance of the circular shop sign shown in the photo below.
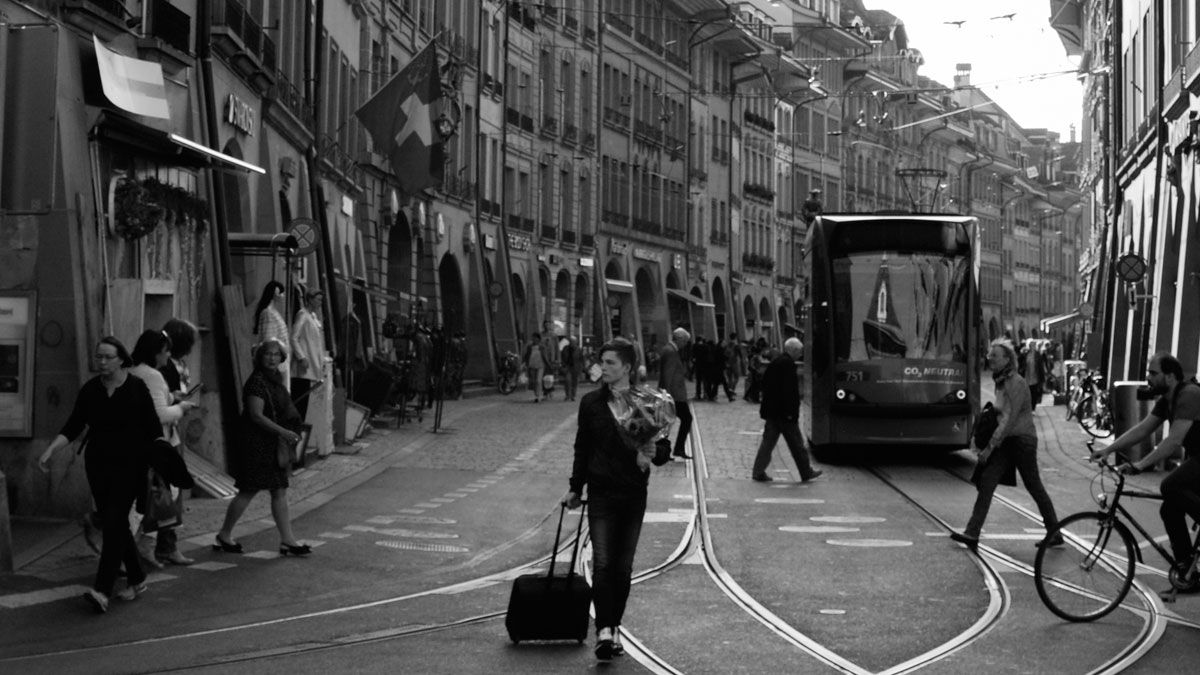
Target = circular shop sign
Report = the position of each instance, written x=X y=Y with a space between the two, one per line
x=305 y=232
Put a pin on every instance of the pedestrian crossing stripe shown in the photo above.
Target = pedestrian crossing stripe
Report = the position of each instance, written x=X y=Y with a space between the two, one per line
x=418 y=546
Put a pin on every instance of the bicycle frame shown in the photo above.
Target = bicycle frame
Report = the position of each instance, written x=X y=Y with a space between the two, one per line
x=1116 y=510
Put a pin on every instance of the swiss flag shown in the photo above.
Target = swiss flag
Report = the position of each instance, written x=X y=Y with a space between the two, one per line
x=400 y=119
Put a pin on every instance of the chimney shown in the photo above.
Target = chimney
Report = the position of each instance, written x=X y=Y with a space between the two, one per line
x=962 y=76
x=1072 y=132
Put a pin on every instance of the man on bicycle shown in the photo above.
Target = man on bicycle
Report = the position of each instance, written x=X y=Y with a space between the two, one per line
x=1178 y=403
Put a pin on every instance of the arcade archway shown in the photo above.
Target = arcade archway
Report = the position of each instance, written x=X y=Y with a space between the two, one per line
x=454 y=301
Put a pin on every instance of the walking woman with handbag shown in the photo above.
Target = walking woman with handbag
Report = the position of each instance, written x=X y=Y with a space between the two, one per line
x=262 y=460
x=119 y=414
x=1013 y=443
x=151 y=353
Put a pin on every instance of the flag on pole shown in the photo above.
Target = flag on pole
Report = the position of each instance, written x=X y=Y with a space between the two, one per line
x=132 y=84
x=400 y=120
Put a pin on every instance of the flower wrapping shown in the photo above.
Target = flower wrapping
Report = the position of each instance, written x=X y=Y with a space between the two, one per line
x=644 y=414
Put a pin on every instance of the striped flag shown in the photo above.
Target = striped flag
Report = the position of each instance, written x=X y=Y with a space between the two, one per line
x=132 y=84
x=400 y=119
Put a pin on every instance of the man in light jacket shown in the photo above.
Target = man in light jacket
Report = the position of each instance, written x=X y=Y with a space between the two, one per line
x=671 y=380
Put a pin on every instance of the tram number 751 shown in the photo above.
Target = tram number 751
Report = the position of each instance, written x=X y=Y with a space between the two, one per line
x=854 y=376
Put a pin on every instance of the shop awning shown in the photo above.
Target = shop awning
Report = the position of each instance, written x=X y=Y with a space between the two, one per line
x=1056 y=321
x=618 y=285
x=164 y=147
x=377 y=291
x=699 y=302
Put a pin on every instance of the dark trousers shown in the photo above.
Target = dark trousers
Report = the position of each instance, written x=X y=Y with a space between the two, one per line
x=712 y=382
x=700 y=382
x=1022 y=452
x=615 y=523
x=731 y=383
x=684 y=412
x=571 y=382
x=1181 y=496
x=773 y=428
x=114 y=490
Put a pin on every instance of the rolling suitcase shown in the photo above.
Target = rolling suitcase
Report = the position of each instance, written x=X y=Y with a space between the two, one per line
x=549 y=607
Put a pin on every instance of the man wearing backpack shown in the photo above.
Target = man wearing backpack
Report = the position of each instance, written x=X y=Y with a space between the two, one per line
x=1178 y=403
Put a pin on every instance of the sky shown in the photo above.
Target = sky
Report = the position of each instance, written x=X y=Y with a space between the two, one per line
x=1003 y=54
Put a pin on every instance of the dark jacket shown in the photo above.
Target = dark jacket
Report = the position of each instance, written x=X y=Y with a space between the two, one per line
x=780 y=390
x=671 y=377
x=603 y=459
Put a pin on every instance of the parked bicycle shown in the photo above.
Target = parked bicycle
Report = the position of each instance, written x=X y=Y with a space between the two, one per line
x=1090 y=406
x=1090 y=576
x=509 y=371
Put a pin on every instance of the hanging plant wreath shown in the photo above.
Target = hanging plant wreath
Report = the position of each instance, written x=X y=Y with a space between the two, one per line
x=181 y=205
x=135 y=214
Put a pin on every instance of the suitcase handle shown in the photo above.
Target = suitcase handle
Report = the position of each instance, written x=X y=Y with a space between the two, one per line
x=558 y=537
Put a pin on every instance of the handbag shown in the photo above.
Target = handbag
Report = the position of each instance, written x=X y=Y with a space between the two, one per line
x=164 y=504
x=284 y=453
x=985 y=425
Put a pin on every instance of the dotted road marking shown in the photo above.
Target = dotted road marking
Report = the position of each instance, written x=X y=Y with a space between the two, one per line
x=442 y=500
x=212 y=566
x=337 y=535
x=817 y=529
x=19 y=600
x=412 y=511
x=263 y=555
x=847 y=519
x=411 y=534
x=456 y=495
x=417 y=546
x=869 y=543
x=788 y=500
x=832 y=611
x=428 y=505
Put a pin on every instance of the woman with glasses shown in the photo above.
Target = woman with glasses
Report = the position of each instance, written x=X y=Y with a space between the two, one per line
x=119 y=414
x=268 y=417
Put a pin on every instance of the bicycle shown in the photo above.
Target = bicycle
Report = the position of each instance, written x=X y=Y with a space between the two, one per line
x=509 y=371
x=1089 y=576
x=1092 y=409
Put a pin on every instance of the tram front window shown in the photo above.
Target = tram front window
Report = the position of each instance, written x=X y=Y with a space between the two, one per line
x=890 y=305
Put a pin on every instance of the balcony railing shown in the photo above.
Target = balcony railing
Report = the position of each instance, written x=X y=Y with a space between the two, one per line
x=619 y=23
x=290 y=97
x=239 y=38
x=171 y=25
x=570 y=23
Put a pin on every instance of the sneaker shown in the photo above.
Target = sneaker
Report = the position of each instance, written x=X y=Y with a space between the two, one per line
x=97 y=600
x=762 y=478
x=173 y=558
x=812 y=475
x=604 y=644
x=131 y=593
x=618 y=649
x=965 y=539
x=1054 y=542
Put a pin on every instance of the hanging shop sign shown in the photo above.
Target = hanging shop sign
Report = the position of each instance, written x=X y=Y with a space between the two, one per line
x=239 y=114
x=587 y=262
x=517 y=242
x=677 y=261
x=646 y=254
x=617 y=247
x=489 y=242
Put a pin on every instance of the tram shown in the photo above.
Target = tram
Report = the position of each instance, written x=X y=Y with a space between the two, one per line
x=892 y=348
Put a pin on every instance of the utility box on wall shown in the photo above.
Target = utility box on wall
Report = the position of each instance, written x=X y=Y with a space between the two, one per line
x=17 y=321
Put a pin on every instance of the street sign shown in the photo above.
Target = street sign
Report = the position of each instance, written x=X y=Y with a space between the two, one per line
x=1131 y=267
x=305 y=232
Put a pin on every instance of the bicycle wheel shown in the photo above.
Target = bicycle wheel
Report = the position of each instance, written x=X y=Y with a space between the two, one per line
x=1085 y=581
x=1092 y=418
x=507 y=384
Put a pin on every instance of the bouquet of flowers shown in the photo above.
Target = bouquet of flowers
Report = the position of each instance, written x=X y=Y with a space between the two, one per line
x=644 y=415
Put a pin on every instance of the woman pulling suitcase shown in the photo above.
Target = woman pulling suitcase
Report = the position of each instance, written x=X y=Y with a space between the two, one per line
x=616 y=475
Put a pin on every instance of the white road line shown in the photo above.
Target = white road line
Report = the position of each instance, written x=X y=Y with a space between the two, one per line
x=19 y=600
x=210 y=566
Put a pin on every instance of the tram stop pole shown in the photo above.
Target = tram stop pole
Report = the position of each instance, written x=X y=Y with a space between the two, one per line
x=1128 y=409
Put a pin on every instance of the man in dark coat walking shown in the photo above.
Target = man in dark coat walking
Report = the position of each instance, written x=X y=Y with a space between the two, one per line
x=780 y=410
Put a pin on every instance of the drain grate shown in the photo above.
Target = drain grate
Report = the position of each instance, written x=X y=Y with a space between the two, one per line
x=414 y=546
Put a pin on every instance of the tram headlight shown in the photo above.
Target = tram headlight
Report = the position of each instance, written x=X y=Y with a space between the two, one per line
x=840 y=394
x=961 y=394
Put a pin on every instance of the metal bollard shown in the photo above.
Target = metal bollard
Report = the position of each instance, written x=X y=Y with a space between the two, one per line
x=1127 y=411
x=6 y=547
